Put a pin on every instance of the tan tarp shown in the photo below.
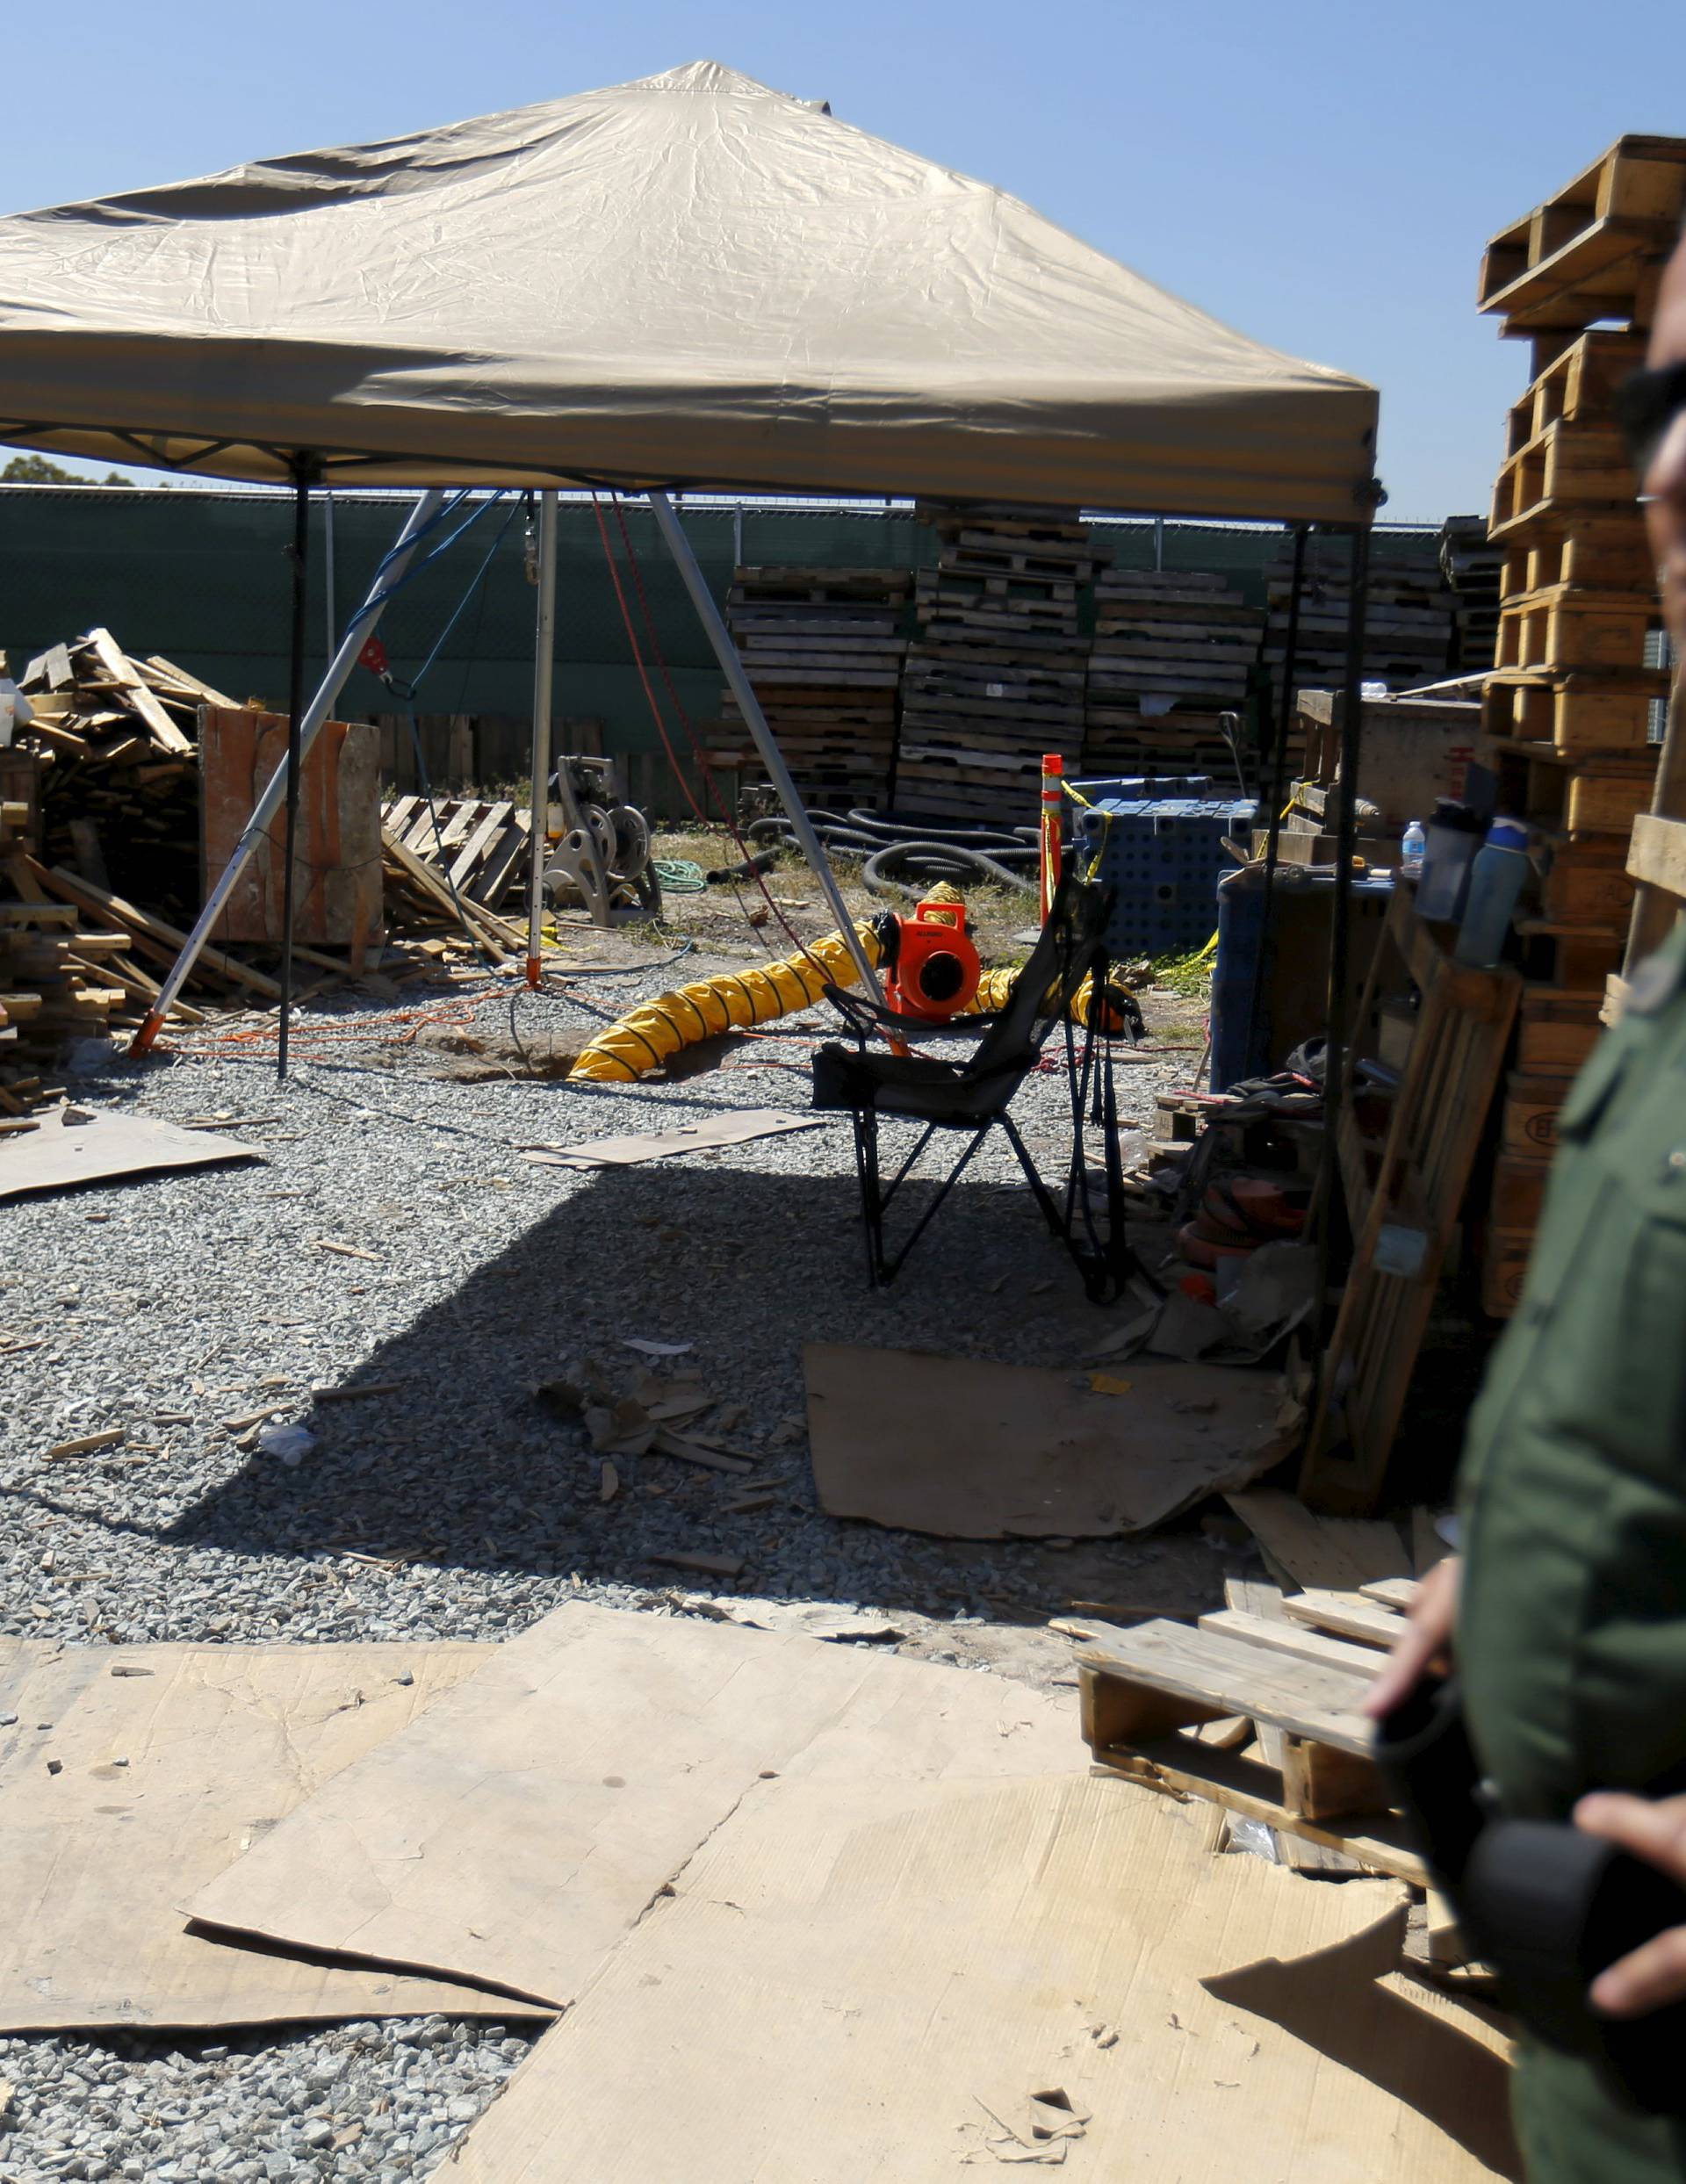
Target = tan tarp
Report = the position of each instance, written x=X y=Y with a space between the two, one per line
x=688 y=279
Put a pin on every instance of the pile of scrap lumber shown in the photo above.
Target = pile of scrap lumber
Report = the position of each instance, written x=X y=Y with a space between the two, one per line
x=120 y=801
x=1172 y=651
x=823 y=649
x=996 y=677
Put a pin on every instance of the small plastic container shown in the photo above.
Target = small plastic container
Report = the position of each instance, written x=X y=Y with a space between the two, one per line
x=1454 y=835
x=1495 y=883
x=1413 y=843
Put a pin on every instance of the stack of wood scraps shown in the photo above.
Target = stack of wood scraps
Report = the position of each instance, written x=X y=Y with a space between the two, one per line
x=121 y=802
x=823 y=648
x=996 y=676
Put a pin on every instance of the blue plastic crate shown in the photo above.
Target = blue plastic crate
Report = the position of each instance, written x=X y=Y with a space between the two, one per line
x=1163 y=855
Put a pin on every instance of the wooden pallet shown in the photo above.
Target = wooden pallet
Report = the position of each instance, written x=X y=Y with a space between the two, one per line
x=1594 y=249
x=1404 y=1197
x=1577 y=710
x=480 y=848
x=1567 y=626
x=1296 y=1756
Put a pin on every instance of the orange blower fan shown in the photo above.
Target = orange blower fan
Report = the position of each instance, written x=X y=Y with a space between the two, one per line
x=931 y=966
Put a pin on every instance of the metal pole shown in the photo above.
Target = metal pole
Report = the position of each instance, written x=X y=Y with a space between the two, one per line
x=749 y=706
x=295 y=755
x=1341 y=1033
x=357 y=636
x=544 y=676
x=1275 y=789
x=330 y=590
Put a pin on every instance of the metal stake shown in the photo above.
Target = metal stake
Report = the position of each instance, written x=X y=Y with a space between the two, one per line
x=1275 y=789
x=749 y=706
x=301 y=474
x=357 y=634
x=1341 y=1032
x=543 y=680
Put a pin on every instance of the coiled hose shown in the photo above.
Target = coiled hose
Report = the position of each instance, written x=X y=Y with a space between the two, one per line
x=902 y=857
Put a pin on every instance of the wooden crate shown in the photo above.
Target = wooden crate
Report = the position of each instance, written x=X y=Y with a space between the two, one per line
x=1505 y=1256
x=1578 y=387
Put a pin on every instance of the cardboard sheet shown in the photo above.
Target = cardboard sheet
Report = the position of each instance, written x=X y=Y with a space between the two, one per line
x=973 y=1451
x=524 y=1824
x=867 y=1986
x=170 y=1761
x=737 y=1128
x=96 y=1145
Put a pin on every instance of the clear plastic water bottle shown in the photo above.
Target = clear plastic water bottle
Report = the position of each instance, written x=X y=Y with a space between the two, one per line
x=1412 y=845
x=1495 y=883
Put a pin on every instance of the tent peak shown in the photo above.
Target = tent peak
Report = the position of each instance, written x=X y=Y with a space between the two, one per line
x=712 y=79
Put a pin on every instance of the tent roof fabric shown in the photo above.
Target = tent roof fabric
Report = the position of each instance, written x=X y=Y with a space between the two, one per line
x=691 y=280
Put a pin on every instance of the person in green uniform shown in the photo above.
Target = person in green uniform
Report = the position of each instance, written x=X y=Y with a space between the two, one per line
x=1566 y=1611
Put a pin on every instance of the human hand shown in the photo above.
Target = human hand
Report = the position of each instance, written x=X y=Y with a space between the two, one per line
x=1655 y=1829
x=1428 y=1637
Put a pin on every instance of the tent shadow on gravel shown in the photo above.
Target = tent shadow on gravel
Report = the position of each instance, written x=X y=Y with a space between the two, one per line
x=461 y=1465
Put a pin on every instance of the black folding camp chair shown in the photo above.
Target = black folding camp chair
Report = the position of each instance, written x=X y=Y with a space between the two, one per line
x=972 y=1097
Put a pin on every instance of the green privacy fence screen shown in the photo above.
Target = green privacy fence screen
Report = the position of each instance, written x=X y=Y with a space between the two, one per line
x=203 y=577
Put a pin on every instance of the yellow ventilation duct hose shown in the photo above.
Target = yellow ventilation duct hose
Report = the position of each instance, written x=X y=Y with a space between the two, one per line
x=995 y=989
x=653 y=1033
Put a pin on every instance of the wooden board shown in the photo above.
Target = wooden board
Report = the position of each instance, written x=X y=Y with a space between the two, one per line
x=171 y=1759
x=338 y=859
x=971 y=1450
x=1339 y=1552
x=865 y=1988
x=1348 y=1615
x=523 y=1824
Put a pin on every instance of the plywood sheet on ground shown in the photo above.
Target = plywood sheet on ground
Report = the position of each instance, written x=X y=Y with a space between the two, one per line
x=718 y=1131
x=87 y=1145
x=867 y=1986
x=132 y=1775
x=1339 y=1554
x=974 y=1450
x=525 y=1823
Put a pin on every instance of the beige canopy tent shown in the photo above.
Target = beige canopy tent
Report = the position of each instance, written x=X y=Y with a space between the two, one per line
x=689 y=280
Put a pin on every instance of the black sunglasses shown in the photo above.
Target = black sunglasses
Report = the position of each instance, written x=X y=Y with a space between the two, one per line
x=1647 y=405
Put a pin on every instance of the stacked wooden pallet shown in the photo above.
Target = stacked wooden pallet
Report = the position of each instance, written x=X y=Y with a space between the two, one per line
x=456 y=872
x=1172 y=651
x=1470 y=564
x=121 y=802
x=996 y=677
x=823 y=648
x=1575 y=706
x=1408 y=628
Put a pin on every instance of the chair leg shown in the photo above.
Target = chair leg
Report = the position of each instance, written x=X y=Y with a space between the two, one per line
x=925 y=1220
x=872 y=1199
x=1045 y=1198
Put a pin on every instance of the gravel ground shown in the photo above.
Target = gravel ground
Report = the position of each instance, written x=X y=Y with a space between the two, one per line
x=455 y=1506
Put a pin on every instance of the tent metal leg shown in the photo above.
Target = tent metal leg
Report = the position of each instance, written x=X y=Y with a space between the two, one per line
x=1276 y=788
x=749 y=705
x=357 y=634
x=295 y=757
x=544 y=677
x=1340 y=1031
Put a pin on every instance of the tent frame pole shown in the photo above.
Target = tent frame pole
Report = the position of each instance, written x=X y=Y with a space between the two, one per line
x=1275 y=788
x=358 y=631
x=303 y=469
x=749 y=705
x=544 y=687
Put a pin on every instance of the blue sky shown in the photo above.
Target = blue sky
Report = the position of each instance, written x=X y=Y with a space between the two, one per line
x=1322 y=173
